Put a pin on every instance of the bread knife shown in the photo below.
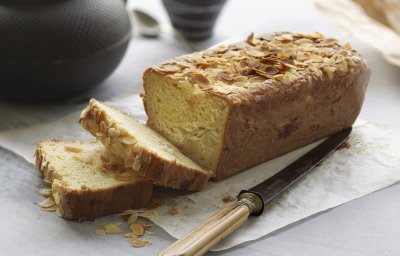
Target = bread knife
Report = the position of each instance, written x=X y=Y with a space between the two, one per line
x=251 y=202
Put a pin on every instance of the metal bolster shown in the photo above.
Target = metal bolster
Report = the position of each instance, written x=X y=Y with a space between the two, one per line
x=253 y=200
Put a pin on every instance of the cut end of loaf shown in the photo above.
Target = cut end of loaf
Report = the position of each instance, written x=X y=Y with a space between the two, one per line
x=186 y=116
x=86 y=182
x=142 y=149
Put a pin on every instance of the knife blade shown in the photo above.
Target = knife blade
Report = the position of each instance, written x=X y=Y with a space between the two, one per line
x=252 y=201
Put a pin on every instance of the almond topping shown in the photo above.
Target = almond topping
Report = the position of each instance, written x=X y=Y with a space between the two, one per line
x=137 y=229
x=45 y=192
x=112 y=229
x=47 y=203
x=137 y=243
x=201 y=80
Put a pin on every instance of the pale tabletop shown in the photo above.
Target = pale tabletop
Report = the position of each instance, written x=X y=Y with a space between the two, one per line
x=366 y=226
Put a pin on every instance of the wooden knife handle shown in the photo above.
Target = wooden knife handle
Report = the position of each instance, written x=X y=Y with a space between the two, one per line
x=213 y=230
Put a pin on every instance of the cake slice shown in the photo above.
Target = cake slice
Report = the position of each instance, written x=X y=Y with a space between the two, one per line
x=86 y=181
x=234 y=106
x=142 y=149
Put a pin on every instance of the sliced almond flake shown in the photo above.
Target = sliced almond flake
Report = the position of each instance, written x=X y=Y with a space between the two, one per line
x=72 y=149
x=60 y=211
x=136 y=165
x=278 y=76
x=271 y=70
x=112 y=229
x=52 y=208
x=250 y=38
x=268 y=37
x=330 y=71
x=223 y=89
x=45 y=192
x=113 y=132
x=132 y=219
x=201 y=80
x=241 y=79
x=137 y=243
x=225 y=76
x=128 y=140
x=257 y=79
x=282 y=55
x=171 y=68
x=303 y=41
x=221 y=48
x=100 y=232
x=257 y=54
x=284 y=37
x=47 y=203
x=137 y=229
x=56 y=197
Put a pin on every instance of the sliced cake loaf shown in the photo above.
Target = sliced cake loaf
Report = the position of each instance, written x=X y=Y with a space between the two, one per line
x=235 y=106
x=143 y=149
x=86 y=182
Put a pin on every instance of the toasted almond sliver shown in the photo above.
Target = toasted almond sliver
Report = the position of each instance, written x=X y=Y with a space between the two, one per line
x=132 y=219
x=47 y=203
x=50 y=209
x=137 y=229
x=128 y=140
x=56 y=197
x=100 y=232
x=45 y=192
x=60 y=211
x=112 y=229
x=136 y=165
x=136 y=242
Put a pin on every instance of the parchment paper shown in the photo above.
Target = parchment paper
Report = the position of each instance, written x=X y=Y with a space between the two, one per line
x=371 y=163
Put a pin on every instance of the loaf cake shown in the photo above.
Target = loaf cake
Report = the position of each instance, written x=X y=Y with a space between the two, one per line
x=142 y=149
x=87 y=182
x=234 y=106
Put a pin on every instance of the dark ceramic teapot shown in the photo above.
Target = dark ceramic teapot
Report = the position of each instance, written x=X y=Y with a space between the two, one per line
x=55 y=49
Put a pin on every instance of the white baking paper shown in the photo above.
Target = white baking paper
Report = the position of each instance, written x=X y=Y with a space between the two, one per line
x=371 y=163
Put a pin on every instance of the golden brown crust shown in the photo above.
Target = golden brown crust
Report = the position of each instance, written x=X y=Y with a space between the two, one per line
x=84 y=203
x=146 y=162
x=90 y=204
x=171 y=174
x=260 y=131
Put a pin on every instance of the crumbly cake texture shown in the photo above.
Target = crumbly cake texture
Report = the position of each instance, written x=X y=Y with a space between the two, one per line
x=234 y=106
x=142 y=149
x=86 y=181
